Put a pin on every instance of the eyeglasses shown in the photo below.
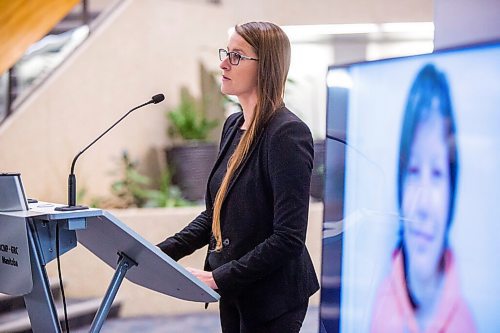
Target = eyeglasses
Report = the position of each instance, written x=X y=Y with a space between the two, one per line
x=234 y=58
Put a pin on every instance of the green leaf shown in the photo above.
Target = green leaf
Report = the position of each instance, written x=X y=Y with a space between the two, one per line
x=188 y=120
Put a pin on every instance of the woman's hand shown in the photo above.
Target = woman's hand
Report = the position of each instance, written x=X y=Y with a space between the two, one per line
x=204 y=276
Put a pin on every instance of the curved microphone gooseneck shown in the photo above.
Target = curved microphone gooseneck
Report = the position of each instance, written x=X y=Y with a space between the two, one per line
x=72 y=178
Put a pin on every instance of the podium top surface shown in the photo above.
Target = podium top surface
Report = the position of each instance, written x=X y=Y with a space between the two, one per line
x=106 y=237
x=46 y=211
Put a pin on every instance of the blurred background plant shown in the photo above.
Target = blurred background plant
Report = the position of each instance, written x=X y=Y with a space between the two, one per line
x=188 y=121
x=133 y=189
x=194 y=128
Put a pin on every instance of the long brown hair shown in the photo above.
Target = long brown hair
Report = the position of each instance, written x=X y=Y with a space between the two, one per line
x=272 y=47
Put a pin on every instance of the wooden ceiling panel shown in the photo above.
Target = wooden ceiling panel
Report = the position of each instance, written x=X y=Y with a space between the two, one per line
x=23 y=22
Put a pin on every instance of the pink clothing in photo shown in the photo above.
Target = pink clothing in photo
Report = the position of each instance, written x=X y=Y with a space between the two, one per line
x=393 y=311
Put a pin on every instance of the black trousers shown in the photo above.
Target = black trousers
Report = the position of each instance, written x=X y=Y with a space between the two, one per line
x=289 y=322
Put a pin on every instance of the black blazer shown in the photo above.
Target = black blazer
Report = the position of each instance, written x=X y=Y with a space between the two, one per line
x=265 y=267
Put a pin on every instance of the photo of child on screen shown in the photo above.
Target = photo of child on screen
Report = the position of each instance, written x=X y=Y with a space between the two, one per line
x=422 y=292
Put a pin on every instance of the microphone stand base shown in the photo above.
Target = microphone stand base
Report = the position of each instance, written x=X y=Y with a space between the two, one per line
x=70 y=208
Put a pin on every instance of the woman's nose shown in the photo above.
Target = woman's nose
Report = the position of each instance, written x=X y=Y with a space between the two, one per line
x=423 y=202
x=224 y=64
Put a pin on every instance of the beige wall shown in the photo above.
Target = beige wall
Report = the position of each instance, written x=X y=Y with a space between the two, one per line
x=85 y=275
x=145 y=47
x=472 y=22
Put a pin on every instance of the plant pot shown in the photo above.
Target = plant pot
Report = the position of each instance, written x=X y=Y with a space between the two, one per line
x=190 y=165
x=318 y=172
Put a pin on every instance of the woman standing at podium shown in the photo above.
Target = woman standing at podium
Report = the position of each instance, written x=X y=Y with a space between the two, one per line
x=257 y=196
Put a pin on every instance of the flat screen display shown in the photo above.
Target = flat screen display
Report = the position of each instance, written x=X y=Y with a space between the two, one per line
x=411 y=236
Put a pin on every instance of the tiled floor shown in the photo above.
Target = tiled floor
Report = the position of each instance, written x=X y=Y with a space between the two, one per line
x=194 y=323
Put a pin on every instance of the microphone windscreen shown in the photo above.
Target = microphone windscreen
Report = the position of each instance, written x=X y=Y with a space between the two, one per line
x=157 y=98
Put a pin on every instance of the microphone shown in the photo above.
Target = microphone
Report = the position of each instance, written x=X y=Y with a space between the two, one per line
x=72 y=178
x=156 y=99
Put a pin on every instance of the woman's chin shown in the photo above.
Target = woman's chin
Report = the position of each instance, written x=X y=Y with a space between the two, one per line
x=422 y=267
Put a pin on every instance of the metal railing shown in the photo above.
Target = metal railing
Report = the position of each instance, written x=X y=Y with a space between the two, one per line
x=43 y=57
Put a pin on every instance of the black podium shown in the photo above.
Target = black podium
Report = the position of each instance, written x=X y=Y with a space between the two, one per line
x=28 y=243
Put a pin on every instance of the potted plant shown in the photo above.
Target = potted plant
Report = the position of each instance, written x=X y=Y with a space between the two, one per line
x=191 y=158
x=318 y=172
x=194 y=151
